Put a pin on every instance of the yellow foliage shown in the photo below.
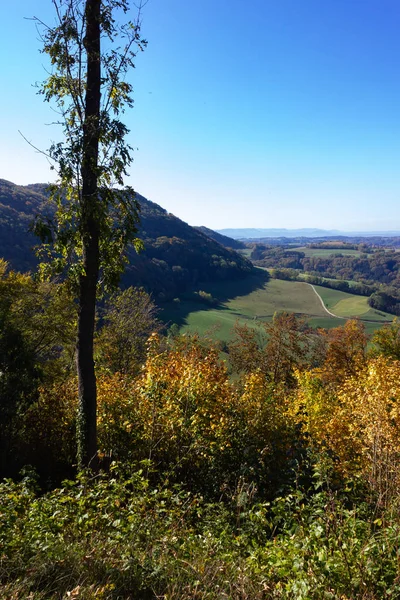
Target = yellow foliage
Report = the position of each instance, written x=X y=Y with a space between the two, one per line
x=268 y=424
x=326 y=420
x=359 y=422
x=118 y=419
x=185 y=400
x=375 y=400
x=264 y=404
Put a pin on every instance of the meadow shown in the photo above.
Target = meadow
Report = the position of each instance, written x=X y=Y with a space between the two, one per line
x=258 y=299
x=323 y=252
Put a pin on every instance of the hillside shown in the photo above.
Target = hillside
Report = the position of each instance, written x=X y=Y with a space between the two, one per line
x=226 y=241
x=176 y=256
x=18 y=205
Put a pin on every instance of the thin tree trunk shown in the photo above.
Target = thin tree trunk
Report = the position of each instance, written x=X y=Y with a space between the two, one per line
x=86 y=425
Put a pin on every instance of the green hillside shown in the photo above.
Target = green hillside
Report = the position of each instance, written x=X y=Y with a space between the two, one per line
x=261 y=298
x=344 y=304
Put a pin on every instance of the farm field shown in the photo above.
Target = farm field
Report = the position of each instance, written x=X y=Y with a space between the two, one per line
x=322 y=252
x=262 y=301
x=344 y=304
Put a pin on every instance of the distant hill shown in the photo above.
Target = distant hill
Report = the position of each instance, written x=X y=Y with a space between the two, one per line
x=176 y=255
x=18 y=205
x=224 y=240
x=259 y=234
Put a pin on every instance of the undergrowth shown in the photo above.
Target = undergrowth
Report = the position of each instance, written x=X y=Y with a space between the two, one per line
x=117 y=536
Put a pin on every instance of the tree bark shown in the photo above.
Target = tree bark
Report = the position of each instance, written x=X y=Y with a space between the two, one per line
x=86 y=424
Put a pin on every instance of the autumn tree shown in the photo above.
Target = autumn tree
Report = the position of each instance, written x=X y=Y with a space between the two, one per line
x=386 y=341
x=130 y=318
x=91 y=53
x=245 y=351
x=345 y=351
x=275 y=348
x=37 y=333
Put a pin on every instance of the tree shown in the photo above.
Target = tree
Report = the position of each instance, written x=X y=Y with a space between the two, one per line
x=386 y=341
x=274 y=349
x=90 y=54
x=130 y=318
x=37 y=328
x=345 y=351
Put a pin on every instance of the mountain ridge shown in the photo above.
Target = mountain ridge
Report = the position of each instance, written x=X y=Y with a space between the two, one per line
x=176 y=255
x=306 y=232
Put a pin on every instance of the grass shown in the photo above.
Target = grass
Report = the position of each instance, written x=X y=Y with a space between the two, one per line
x=330 y=297
x=323 y=252
x=246 y=302
x=344 y=304
x=245 y=252
x=256 y=299
x=355 y=306
x=259 y=305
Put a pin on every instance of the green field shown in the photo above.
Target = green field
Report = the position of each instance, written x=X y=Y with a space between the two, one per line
x=323 y=252
x=343 y=304
x=253 y=300
x=331 y=297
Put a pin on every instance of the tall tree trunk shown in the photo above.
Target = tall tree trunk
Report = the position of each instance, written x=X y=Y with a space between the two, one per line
x=86 y=425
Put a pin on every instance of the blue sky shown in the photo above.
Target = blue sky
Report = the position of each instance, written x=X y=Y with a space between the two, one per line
x=265 y=113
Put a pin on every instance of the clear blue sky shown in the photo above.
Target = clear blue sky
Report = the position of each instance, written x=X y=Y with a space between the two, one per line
x=265 y=113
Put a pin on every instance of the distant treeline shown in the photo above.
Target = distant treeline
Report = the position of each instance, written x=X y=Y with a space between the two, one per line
x=373 y=241
x=380 y=266
x=339 y=245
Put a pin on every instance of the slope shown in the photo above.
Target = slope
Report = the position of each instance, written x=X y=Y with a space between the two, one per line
x=176 y=256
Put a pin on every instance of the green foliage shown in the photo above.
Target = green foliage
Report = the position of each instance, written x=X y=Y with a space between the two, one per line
x=114 y=210
x=112 y=535
x=384 y=302
x=206 y=298
x=130 y=317
x=19 y=378
x=44 y=313
x=386 y=341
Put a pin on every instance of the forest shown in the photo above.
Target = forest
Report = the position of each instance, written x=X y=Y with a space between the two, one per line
x=175 y=256
x=379 y=266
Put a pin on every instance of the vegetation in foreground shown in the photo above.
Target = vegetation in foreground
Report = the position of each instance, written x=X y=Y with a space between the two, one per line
x=279 y=482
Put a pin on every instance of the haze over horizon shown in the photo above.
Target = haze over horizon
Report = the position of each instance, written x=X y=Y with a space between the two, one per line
x=282 y=115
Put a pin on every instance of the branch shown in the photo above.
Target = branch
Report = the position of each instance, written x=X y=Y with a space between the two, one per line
x=39 y=151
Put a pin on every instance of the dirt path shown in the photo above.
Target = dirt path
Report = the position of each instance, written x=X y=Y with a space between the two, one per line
x=323 y=305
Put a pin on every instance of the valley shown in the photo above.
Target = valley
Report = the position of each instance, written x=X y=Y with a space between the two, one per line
x=260 y=298
x=205 y=282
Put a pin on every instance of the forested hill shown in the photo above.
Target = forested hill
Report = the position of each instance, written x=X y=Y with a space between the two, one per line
x=18 y=205
x=226 y=241
x=176 y=256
